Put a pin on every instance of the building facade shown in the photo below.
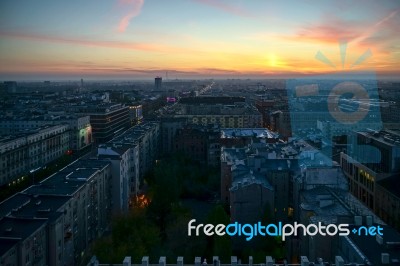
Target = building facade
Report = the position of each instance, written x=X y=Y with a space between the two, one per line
x=30 y=150
x=79 y=127
x=107 y=120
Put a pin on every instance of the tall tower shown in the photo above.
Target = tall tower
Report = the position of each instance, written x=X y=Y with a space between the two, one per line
x=158 y=83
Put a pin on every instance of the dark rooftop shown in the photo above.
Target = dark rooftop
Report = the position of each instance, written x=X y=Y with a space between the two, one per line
x=19 y=228
x=391 y=184
x=14 y=201
x=30 y=206
x=68 y=180
x=373 y=250
x=6 y=245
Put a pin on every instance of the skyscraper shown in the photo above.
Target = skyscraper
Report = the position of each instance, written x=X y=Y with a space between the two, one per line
x=158 y=83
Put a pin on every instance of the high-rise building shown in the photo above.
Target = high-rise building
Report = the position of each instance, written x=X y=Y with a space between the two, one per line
x=107 y=120
x=158 y=83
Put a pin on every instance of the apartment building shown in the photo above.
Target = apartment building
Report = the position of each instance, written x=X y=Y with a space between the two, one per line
x=31 y=149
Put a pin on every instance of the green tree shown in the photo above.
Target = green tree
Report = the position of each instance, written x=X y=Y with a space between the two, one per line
x=220 y=245
x=164 y=193
x=132 y=234
x=178 y=242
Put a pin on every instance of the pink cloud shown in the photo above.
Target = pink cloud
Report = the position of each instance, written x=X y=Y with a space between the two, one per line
x=331 y=31
x=135 y=6
x=225 y=7
x=147 y=47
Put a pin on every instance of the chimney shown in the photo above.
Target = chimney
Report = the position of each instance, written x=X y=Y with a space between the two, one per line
x=269 y=261
x=197 y=261
x=358 y=220
x=127 y=261
x=216 y=261
x=234 y=261
x=304 y=261
x=179 y=261
x=145 y=261
x=339 y=261
x=379 y=239
x=369 y=220
x=250 y=260
x=385 y=258
x=162 y=261
x=93 y=261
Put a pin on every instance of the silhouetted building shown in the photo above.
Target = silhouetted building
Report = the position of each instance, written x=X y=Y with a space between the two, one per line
x=158 y=83
x=251 y=197
x=200 y=143
x=11 y=86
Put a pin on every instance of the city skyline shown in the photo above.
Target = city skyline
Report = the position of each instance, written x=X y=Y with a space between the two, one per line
x=128 y=39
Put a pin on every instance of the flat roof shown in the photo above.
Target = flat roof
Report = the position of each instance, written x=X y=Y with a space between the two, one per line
x=19 y=228
x=370 y=247
x=134 y=134
x=389 y=137
x=325 y=206
x=69 y=180
x=41 y=206
x=27 y=132
x=12 y=202
x=31 y=206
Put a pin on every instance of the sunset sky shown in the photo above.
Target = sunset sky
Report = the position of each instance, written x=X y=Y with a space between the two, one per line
x=129 y=39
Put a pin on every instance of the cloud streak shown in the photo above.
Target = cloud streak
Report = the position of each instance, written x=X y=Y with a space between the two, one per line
x=218 y=4
x=147 y=47
x=377 y=26
x=331 y=31
x=135 y=6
